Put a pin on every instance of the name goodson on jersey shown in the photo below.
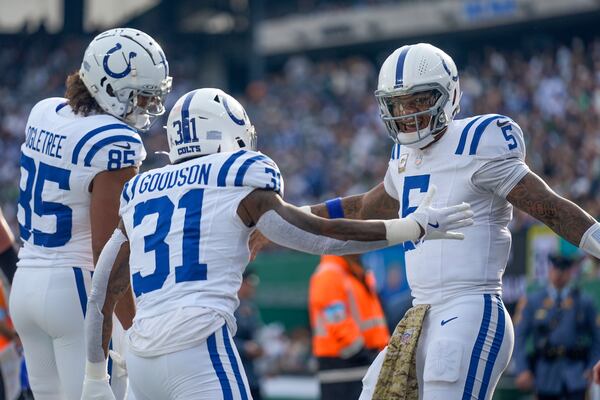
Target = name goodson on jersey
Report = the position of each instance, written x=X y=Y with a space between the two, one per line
x=194 y=174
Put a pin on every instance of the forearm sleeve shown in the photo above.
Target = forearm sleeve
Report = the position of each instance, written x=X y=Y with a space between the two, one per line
x=94 y=318
x=280 y=231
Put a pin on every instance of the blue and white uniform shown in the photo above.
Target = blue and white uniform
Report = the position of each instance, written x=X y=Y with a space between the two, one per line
x=60 y=157
x=467 y=336
x=188 y=251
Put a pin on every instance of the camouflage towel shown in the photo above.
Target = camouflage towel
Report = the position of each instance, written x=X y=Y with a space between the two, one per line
x=398 y=376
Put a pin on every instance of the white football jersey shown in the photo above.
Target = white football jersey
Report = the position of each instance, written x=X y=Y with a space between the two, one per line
x=60 y=157
x=188 y=245
x=478 y=161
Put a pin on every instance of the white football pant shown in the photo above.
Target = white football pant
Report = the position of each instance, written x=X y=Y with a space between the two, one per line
x=47 y=306
x=465 y=345
x=210 y=370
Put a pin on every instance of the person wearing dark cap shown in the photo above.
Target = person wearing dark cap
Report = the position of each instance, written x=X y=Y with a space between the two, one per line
x=248 y=323
x=561 y=323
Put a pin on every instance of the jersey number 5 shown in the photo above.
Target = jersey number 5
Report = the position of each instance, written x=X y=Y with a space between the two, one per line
x=417 y=182
x=191 y=268
x=34 y=187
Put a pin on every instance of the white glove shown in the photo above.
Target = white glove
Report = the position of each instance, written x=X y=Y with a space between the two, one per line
x=438 y=222
x=119 y=368
x=97 y=389
x=96 y=384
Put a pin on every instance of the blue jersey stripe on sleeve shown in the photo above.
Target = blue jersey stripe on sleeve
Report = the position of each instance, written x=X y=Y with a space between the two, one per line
x=479 y=132
x=93 y=133
x=222 y=177
x=105 y=142
x=239 y=177
x=133 y=184
x=463 y=137
x=60 y=106
x=124 y=193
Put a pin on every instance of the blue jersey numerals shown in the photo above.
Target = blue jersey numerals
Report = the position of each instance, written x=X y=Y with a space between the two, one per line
x=31 y=201
x=512 y=141
x=417 y=182
x=118 y=159
x=191 y=269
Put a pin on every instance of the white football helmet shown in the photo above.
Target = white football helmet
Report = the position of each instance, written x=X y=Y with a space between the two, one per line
x=426 y=78
x=127 y=73
x=207 y=121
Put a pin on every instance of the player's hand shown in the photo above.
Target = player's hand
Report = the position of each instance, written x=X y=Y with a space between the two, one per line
x=524 y=381
x=256 y=243
x=439 y=223
x=97 y=389
x=119 y=364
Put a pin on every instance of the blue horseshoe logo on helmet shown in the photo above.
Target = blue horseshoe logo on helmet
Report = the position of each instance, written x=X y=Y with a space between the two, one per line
x=235 y=119
x=127 y=69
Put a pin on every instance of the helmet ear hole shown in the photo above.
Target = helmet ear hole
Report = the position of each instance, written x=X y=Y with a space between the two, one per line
x=240 y=142
x=216 y=99
x=110 y=91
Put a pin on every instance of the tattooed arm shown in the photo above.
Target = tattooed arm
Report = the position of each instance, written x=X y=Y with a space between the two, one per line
x=119 y=286
x=291 y=227
x=533 y=196
x=374 y=204
x=260 y=202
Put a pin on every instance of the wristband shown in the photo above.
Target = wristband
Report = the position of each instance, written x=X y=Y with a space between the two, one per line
x=335 y=208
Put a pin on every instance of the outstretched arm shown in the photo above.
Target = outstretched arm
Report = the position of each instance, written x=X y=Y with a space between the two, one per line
x=374 y=204
x=533 y=196
x=291 y=227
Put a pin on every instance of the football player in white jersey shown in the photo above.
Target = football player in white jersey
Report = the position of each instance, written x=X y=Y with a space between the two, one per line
x=78 y=153
x=467 y=336
x=183 y=244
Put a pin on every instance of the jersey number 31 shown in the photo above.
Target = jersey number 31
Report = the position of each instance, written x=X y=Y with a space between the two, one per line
x=191 y=268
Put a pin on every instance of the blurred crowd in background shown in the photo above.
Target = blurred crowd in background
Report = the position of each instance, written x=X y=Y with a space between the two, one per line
x=319 y=120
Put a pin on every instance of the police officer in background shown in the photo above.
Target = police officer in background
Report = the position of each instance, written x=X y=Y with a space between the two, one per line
x=561 y=323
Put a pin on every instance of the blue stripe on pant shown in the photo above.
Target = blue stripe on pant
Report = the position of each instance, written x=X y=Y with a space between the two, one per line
x=494 y=350
x=80 y=289
x=234 y=363
x=211 y=342
x=476 y=353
